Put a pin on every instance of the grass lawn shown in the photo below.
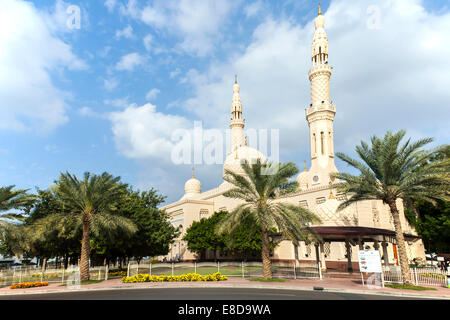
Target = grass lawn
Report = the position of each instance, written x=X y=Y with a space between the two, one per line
x=267 y=280
x=226 y=271
x=410 y=287
x=85 y=282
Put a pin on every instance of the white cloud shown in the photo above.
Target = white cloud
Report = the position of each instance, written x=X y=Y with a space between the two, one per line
x=196 y=22
x=253 y=9
x=120 y=102
x=130 y=61
x=152 y=94
x=110 y=84
x=147 y=42
x=30 y=54
x=110 y=4
x=127 y=33
x=88 y=112
x=174 y=73
x=143 y=132
x=383 y=79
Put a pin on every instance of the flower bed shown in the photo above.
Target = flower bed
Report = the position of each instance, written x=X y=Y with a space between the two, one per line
x=181 y=278
x=24 y=285
x=433 y=275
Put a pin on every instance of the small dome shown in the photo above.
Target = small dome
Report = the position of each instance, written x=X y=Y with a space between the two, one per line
x=192 y=188
x=303 y=180
x=235 y=158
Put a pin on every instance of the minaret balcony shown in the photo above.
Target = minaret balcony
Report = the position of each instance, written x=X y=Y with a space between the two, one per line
x=237 y=123
x=320 y=67
x=320 y=107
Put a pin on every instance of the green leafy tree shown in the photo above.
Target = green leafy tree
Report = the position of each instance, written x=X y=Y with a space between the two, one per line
x=390 y=171
x=201 y=236
x=46 y=234
x=258 y=190
x=432 y=222
x=92 y=203
x=154 y=230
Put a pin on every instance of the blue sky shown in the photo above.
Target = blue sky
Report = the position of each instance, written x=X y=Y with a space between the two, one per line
x=95 y=98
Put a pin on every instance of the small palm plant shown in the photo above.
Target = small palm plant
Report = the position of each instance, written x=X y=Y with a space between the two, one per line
x=91 y=204
x=258 y=190
x=390 y=171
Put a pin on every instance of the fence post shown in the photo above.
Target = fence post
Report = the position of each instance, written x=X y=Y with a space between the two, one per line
x=128 y=269
x=150 y=269
x=106 y=271
x=218 y=266
x=243 y=271
x=195 y=266
x=320 y=270
x=172 y=269
x=415 y=276
x=295 y=274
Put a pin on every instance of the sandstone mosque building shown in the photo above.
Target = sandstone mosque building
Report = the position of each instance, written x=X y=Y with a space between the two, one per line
x=364 y=225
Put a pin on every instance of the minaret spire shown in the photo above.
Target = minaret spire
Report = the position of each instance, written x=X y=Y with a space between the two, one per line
x=321 y=112
x=237 y=123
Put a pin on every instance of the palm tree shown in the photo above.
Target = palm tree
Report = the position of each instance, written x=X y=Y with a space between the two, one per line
x=391 y=171
x=10 y=234
x=14 y=199
x=91 y=203
x=258 y=190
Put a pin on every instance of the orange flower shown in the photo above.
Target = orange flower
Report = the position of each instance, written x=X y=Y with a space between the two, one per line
x=24 y=285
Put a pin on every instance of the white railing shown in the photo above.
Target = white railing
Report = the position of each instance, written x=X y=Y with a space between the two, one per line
x=14 y=276
x=239 y=269
x=419 y=276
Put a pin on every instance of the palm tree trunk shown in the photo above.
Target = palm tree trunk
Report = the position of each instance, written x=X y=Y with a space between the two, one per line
x=404 y=265
x=85 y=250
x=267 y=271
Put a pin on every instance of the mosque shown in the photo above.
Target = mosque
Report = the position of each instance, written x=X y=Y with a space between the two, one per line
x=364 y=225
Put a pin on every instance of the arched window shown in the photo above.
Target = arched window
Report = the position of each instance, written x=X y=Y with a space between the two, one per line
x=314 y=143
x=322 y=145
x=330 y=142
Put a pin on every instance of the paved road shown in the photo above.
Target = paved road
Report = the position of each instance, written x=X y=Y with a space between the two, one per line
x=200 y=294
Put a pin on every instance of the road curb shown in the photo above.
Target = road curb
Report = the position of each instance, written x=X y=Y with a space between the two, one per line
x=224 y=285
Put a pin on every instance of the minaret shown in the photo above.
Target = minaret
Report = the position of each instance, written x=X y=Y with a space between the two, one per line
x=321 y=112
x=237 y=123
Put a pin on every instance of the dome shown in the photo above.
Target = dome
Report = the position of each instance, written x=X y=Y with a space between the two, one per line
x=303 y=180
x=192 y=188
x=235 y=158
